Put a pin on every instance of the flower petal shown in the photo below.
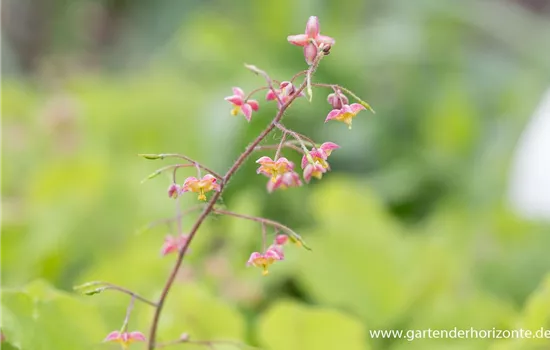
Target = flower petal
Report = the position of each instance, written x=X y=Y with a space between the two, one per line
x=271 y=95
x=236 y=100
x=308 y=170
x=304 y=161
x=254 y=104
x=310 y=51
x=113 y=336
x=264 y=159
x=247 y=111
x=238 y=92
x=137 y=336
x=254 y=256
x=356 y=107
x=209 y=177
x=312 y=27
x=333 y=114
x=323 y=39
x=298 y=40
x=329 y=146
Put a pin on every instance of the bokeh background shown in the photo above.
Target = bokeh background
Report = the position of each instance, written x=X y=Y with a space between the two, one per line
x=411 y=229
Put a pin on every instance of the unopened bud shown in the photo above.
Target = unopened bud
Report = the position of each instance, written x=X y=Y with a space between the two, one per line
x=174 y=191
x=337 y=100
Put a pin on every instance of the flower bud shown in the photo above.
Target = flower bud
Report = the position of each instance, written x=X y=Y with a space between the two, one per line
x=281 y=239
x=337 y=100
x=174 y=190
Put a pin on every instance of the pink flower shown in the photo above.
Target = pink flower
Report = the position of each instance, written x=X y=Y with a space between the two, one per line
x=285 y=92
x=337 y=100
x=277 y=248
x=345 y=114
x=281 y=239
x=264 y=260
x=173 y=244
x=311 y=40
x=206 y=184
x=174 y=191
x=240 y=105
x=315 y=170
x=273 y=168
x=284 y=181
x=320 y=155
x=124 y=338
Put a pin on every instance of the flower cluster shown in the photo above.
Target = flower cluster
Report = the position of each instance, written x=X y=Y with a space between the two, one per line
x=280 y=171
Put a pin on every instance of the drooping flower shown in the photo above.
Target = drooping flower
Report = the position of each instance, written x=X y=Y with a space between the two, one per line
x=320 y=155
x=273 y=168
x=285 y=92
x=241 y=105
x=173 y=244
x=284 y=181
x=277 y=248
x=314 y=170
x=337 y=100
x=124 y=338
x=311 y=40
x=206 y=184
x=345 y=114
x=264 y=260
x=174 y=190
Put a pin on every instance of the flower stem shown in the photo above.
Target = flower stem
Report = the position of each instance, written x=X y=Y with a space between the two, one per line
x=286 y=144
x=255 y=91
x=278 y=152
x=181 y=156
x=102 y=286
x=265 y=221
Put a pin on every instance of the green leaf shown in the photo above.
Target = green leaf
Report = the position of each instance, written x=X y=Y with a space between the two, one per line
x=194 y=310
x=291 y=326
x=40 y=317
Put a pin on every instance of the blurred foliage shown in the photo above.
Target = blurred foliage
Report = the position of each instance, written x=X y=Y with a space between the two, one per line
x=410 y=229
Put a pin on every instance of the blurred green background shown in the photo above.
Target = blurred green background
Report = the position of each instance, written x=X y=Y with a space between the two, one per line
x=410 y=230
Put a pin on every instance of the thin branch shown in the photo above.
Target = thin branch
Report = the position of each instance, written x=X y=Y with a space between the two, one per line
x=264 y=236
x=267 y=78
x=299 y=137
x=255 y=91
x=168 y=167
x=181 y=156
x=170 y=219
x=127 y=318
x=102 y=286
x=287 y=145
x=272 y=223
x=278 y=152
x=297 y=75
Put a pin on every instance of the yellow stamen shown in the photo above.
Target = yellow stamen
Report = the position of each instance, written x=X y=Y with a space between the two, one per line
x=235 y=110
x=202 y=196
